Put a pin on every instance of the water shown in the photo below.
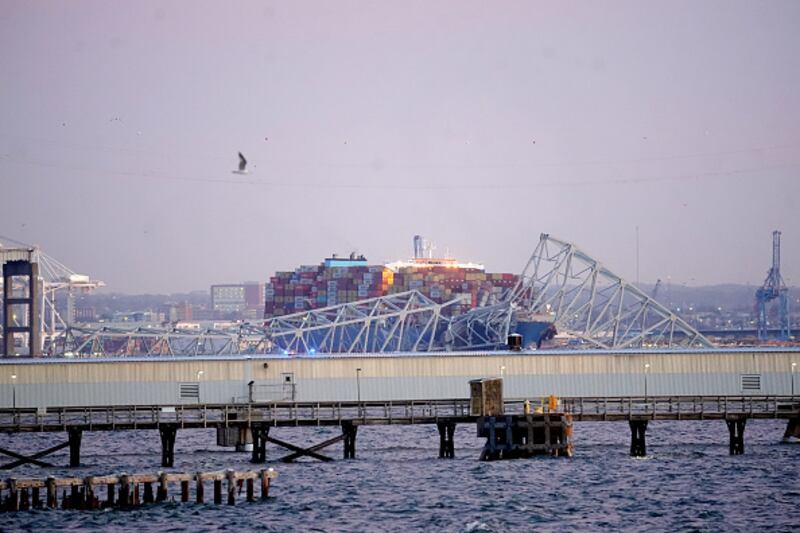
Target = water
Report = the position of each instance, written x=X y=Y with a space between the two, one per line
x=687 y=482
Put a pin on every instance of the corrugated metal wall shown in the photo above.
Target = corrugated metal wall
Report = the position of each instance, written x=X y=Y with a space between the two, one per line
x=43 y=383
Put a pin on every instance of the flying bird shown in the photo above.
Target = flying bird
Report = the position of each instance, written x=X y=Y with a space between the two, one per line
x=242 y=165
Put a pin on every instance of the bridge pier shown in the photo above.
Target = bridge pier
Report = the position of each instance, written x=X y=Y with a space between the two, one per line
x=167 y=433
x=349 y=432
x=75 y=447
x=260 y=433
x=792 y=433
x=638 y=442
x=446 y=439
x=736 y=430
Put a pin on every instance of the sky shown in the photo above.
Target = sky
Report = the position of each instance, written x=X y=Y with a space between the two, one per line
x=478 y=125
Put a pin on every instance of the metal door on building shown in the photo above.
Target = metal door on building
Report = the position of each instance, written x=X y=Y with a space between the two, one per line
x=288 y=384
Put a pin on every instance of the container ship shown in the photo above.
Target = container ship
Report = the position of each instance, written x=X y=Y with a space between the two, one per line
x=339 y=280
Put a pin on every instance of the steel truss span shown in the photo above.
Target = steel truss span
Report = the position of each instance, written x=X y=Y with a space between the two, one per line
x=403 y=322
x=86 y=342
x=592 y=303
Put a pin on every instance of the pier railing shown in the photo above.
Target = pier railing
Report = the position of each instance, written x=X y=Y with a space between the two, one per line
x=103 y=418
x=681 y=407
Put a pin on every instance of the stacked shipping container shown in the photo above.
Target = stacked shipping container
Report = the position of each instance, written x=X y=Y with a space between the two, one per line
x=313 y=287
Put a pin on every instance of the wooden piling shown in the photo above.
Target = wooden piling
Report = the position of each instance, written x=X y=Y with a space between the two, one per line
x=217 y=491
x=88 y=487
x=13 y=497
x=265 y=476
x=148 y=492
x=24 y=503
x=161 y=495
x=74 y=497
x=52 y=492
x=199 y=491
x=124 y=490
x=24 y=494
x=229 y=474
x=250 y=496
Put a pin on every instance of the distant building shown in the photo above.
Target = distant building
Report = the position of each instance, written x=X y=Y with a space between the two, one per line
x=178 y=311
x=84 y=314
x=239 y=300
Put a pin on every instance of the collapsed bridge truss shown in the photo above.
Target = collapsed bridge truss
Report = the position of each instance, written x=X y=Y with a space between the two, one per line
x=560 y=283
x=592 y=303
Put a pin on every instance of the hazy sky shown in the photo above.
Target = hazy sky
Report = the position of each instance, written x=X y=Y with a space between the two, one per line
x=476 y=124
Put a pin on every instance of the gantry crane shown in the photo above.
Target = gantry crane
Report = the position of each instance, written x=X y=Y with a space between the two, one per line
x=51 y=278
x=773 y=288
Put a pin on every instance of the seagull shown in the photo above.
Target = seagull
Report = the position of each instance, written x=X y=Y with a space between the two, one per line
x=242 y=165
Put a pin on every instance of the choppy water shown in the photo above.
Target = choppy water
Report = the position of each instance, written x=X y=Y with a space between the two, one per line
x=397 y=483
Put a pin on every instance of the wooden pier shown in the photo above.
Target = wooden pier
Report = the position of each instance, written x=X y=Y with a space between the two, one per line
x=258 y=421
x=128 y=490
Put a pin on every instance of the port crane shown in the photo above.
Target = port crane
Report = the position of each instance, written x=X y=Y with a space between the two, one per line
x=54 y=278
x=773 y=289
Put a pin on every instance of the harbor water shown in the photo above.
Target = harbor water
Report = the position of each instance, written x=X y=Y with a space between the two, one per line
x=397 y=482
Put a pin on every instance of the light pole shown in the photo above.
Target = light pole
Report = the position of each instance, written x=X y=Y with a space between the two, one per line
x=14 y=391
x=199 y=375
x=646 y=370
x=502 y=371
x=794 y=365
x=358 y=386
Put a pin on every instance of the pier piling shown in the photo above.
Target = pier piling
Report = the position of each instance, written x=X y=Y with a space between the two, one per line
x=124 y=490
x=638 y=441
x=52 y=492
x=229 y=475
x=217 y=491
x=167 y=433
x=446 y=439
x=736 y=431
x=792 y=430
x=148 y=492
x=199 y=490
x=260 y=433
x=82 y=493
x=250 y=491
x=349 y=431
x=161 y=494
x=514 y=436
x=75 y=447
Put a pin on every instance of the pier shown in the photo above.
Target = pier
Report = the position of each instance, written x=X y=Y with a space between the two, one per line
x=124 y=490
x=257 y=422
